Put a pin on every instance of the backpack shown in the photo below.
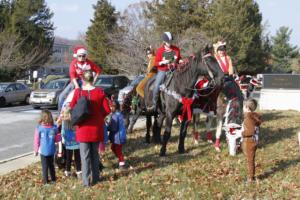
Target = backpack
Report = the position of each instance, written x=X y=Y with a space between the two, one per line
x=81 y=110
x=122 y=129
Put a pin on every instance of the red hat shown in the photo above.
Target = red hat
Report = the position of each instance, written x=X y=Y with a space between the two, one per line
x=79 y=50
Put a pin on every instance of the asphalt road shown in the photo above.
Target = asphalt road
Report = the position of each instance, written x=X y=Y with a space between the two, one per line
x=17 y=124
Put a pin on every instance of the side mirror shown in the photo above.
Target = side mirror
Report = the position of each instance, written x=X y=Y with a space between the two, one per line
x=8 y=90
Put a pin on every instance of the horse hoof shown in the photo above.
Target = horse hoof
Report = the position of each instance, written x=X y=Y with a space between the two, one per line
x=181 y=151
x=162 y=152
x=196 y=142
x=210 y=141
x=218 y=149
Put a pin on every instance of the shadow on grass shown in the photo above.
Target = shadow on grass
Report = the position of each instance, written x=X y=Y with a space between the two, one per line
x=279 y=166
x=268 y=137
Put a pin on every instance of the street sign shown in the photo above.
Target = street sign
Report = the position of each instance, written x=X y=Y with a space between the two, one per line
x=35 y=74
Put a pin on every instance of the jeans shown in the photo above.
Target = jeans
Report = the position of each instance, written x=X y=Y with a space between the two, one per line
x=160 y=76
x=48 y=164
x=89 y=161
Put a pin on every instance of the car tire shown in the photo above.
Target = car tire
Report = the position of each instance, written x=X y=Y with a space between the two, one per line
x=36 y=107
x=26 y=100
x=2 y=102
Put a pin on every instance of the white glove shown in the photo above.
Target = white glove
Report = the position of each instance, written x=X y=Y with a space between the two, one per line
x=164 y=62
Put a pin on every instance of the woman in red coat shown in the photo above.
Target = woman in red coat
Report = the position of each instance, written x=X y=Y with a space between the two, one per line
x=90 y=132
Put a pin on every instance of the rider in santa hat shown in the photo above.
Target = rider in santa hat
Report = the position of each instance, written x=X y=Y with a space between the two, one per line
x=79 y=64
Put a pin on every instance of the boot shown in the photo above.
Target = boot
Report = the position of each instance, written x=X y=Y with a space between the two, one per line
x=67 y=173
x=218 y=145
x=209 y=137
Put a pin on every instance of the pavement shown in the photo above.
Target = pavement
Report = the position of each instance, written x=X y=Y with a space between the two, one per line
x=24 y=160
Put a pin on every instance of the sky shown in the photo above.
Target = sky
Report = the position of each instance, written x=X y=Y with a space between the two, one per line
x=72 y=17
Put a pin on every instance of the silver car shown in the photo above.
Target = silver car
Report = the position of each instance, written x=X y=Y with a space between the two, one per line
x=48 y=95
x=13 y=92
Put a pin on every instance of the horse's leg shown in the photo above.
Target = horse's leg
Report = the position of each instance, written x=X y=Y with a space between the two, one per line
x=196 y=125
x=167 y=134
x=148 y=125
x=156 y=138
x=208 y=121
x=218 y=134
x=133 y=120
x=183 y=129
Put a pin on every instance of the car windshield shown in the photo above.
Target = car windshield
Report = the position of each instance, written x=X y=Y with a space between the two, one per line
x=55 y=84
x=104 y=82
x=136 y=81
x=3 y=86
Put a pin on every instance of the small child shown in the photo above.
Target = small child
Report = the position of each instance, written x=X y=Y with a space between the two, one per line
x=117 y=132
x=46 y=134
x=72 y=146
x=252 y=121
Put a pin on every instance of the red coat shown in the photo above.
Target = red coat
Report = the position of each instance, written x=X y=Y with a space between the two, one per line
x=163 y=54
x=77 y=68
x=91 y=129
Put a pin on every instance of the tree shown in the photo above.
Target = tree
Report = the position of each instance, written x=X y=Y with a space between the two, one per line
x=26 y=34
x=104 y=23
x=239 y=24
x=282 y=51
x=177 y=15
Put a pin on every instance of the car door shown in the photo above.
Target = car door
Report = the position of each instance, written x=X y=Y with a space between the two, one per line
x=10 y=93
x=21 y=92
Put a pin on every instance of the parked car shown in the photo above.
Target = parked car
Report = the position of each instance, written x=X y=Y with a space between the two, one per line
x=48 y=95
x=112 y=84
x=13 y=92
x=130 y=88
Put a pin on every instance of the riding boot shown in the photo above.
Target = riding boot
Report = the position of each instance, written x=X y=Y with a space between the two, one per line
x=218 y=145
x=209 y=137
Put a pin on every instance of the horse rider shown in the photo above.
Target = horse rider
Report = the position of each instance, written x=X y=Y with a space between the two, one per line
x=166 y=58
x=78 y=66
x=223 y=58
x=151 y=71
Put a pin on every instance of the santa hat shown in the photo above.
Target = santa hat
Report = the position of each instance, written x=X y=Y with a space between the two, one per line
x=79 y=50
x=218 y=45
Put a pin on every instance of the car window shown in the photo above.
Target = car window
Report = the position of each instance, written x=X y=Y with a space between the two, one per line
x=20 y=86
x=3 y=86
x=55 y=84
x=11 y=87
x=104 y=81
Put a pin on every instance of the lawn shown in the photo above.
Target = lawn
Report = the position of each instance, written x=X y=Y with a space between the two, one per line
x=201 y=173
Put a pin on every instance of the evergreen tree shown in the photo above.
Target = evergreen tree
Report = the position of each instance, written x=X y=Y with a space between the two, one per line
x=239 y=24
x=177 y=15
x=282 y=51
x=26 y=34
x=104 y=23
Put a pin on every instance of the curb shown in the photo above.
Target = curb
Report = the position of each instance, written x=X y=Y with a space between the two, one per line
x=15 y=157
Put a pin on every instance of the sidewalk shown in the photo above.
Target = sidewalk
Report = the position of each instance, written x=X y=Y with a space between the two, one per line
x=24 y=160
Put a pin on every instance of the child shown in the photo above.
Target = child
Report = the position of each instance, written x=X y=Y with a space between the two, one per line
x=252 y=121
x=117 y=132
x=72 y=147
x=46 y=134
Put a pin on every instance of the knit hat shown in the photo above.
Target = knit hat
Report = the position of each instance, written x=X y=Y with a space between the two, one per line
x=167 y=37
x=219 y=45
x=79 y=50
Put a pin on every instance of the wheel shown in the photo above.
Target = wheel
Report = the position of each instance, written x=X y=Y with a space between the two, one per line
x=36 y=107
x=26 y=100
x=2 y=102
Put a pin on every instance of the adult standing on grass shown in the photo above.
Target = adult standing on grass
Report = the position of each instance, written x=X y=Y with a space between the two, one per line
x=90 y=132
x=77 y=67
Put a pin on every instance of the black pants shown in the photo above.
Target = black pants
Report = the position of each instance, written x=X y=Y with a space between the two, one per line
x=48 y=164
x=69 y=155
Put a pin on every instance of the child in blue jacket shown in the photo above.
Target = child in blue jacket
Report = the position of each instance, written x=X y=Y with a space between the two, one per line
x=46 y=134
x=69 y=140
x=117 y=132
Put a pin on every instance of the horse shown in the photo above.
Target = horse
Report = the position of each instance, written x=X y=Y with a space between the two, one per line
x=176 y=95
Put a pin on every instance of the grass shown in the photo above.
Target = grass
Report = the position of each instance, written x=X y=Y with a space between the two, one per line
x=201 y=173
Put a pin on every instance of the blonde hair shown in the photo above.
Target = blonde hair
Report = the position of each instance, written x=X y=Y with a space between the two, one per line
x=251 y=104
x=46 y=117
x=88 y=76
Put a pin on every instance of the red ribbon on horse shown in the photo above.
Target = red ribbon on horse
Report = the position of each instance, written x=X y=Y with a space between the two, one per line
x=187 y=103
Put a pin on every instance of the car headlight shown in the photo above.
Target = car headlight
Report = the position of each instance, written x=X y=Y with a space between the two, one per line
x=51 y=95
x=31 y=94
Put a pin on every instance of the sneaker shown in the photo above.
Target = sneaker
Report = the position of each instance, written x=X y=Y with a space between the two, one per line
x=79 y=175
